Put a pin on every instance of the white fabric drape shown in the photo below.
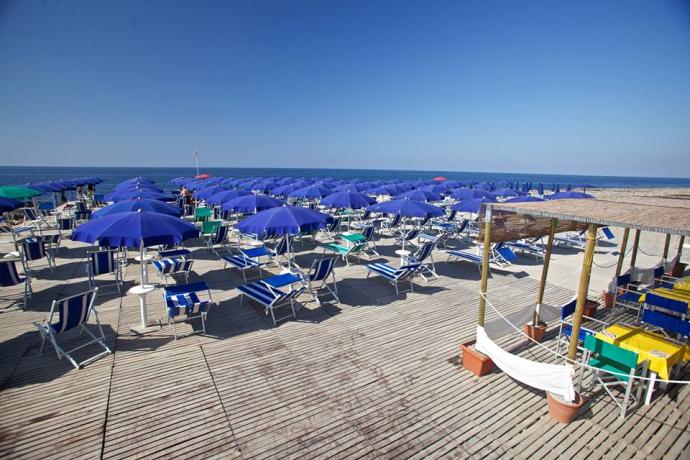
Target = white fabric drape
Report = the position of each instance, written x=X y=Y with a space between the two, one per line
x=554 y=378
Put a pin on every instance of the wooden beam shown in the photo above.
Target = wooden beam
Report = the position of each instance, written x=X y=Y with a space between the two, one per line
x=621 y=256
x=636 y=244
x=545 y=269
x=667 y=243
x=485 y=267
x=582 y=289
x=680 y=247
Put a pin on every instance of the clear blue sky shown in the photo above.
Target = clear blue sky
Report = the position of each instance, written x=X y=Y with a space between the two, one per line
x=536 y=86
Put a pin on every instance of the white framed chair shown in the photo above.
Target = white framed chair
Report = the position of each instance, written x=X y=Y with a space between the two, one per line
x=73 y=313
x=9 y=276
x=184 y=300
x=102 y=262
x=321 y=270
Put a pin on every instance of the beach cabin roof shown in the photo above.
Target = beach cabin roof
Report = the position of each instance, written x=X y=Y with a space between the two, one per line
x=511 y=221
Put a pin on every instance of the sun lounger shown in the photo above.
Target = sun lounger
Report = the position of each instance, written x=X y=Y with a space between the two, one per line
x=393 y=275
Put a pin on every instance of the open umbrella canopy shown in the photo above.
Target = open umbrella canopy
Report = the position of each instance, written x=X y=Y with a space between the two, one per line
x=468 y=194
x=573 y=195
x=407 y=208
x=135 y=229
x=226 y=195
x=389 y=189
x=419 y=195
x=290 y=220
x=129 y=187
x=523 y=199
x=18 y=193
x=137 y=205
x=506 y=192
x=138 y=194
x=8 y=204
x=347 y=200
x=284 y=190
x=351 y=187
x=251 y=203
x=311 y=192
x=207 y=192
x=472 y=205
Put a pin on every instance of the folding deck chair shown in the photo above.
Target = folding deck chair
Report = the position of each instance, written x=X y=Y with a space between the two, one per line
x=242 y=263
x=393 y=275
x=420 y=257
x=102 y=262
x=465 y=256
x=565 y=327
x=73 y=313
x=320 y=271
x=169 y=267
x=502 y=255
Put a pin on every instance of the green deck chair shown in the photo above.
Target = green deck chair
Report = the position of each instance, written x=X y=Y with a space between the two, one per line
x=346 y=250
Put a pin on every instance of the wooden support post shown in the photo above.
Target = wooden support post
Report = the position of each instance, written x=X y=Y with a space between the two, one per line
x=636 y=244
x=582 y=289
x=545 y=270
x=667 y=243
x=680 y=247
x=485 y=266
x=621 y=256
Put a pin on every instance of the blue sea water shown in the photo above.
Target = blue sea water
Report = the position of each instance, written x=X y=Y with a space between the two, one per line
x=14 y=175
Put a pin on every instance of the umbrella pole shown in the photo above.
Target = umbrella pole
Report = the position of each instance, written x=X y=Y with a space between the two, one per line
x=582 y=290
x=636 y=244
x=667 y=243
x=485 y=268
x=621 y=255
x=544 y=271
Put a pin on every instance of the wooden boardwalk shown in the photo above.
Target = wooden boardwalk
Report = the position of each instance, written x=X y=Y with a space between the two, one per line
x=375 y=376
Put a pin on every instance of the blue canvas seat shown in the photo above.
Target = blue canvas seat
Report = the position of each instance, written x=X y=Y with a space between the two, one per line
x=565 y=327
x=271 y=298
x=502 y=255
x=395 y=275
x=34 y=249
x=407 y=237
x=218 y=238
x=183 y=300
x=321 y=270
x=424 y=257
x=171 y=266
x=103 y=262
x=9 y=276
x=73 y=314
x=525 y=247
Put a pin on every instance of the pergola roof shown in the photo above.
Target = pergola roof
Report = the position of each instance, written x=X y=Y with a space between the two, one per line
x=653 y=218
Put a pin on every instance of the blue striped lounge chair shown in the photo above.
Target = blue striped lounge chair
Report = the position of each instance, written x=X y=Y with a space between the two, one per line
x=526 y=248
x=52 y=244
x=465 y=256
x=65 y=224
x=332 y=227
x=390 y=225
x=607 y=233
x=570 y=239
x=183 y=300
x=565 y=328
x=395 y=275
x=171 y=252
x=271 y=298
x=369 y=239
x=407 y=237
x=424 y=257
x=9 y=276
x=171 y=266
x=102 y=262
x=242 y=263
x=320 y=271
x=34 y=218
x=73 y=314
x=502 y=255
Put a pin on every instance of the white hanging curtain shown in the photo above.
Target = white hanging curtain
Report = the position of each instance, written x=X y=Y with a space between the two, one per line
x=557 y=379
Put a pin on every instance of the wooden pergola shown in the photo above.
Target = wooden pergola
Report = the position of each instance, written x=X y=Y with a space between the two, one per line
x=512 y=221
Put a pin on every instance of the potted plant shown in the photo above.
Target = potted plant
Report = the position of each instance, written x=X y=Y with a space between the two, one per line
x=678 y=270
x=608 y=298
x=475 y=361
x=561 y=410
x=590 y=308
x=535 y=331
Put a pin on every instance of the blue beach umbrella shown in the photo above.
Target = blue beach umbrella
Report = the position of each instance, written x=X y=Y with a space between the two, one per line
x=472 y=205
x=207 y=192
x=138 y=194
x=506 y=192
x=312 y=192
x=573 y=195
x=251 y=203
x=407 y=208
x=468 y=194
x=8 y=204
x=226 y=195
x=347 y=200
x=284 y=190
x=419 y=195
x=137 y=205
x=523 y=199
x=284 y=220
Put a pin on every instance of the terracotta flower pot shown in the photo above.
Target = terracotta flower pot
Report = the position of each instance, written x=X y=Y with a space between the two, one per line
x=607 y=297
x=678 y=270
x=474 y=361
x=562 y=411
x=590 y=308
x=535 y=332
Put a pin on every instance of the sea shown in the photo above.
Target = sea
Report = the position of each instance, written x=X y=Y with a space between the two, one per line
x=17 y=175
